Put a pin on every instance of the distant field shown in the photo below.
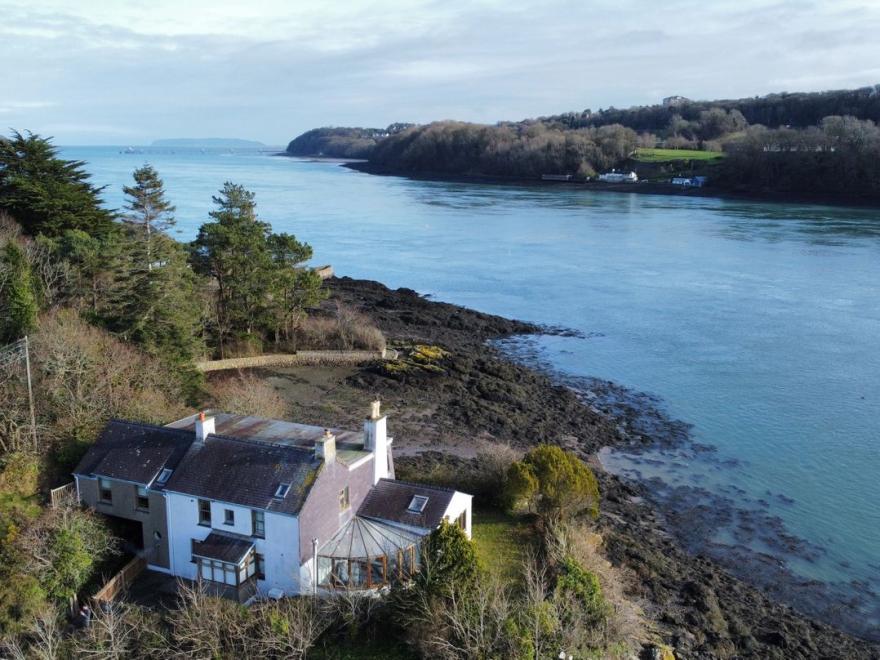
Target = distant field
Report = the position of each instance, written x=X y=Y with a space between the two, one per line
x=664 y=155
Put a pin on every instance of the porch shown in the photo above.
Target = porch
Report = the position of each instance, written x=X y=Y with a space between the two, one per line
x=228 y=566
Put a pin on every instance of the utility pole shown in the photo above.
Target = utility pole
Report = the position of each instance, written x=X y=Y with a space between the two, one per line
x=27 y=363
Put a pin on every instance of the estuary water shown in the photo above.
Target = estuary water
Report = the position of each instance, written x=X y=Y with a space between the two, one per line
x=758 y=324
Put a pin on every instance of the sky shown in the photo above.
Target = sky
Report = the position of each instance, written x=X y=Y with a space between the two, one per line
x=126 y=73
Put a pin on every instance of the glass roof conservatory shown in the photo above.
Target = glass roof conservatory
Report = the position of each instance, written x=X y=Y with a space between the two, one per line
x=367 y=554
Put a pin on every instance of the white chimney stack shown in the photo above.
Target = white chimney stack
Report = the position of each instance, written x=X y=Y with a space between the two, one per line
x=204 y=427
x=325 y=448
x=376 y=440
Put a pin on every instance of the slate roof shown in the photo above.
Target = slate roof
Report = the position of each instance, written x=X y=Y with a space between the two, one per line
x=133 y=450
x=390 y=499
x=230 y=548
x=349 y=444
x=138 y=464
x=246 y=472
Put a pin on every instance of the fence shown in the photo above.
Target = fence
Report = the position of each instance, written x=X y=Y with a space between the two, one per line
x=58 y=495
x=300 y=358
x=119 y=582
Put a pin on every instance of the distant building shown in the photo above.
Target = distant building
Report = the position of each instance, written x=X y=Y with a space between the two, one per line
x=672 y=101
x=689 y=182
x=619 y=177
x=556 y=177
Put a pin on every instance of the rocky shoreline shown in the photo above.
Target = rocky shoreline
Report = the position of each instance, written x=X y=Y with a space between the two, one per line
x=643 y=188
x=479 y=394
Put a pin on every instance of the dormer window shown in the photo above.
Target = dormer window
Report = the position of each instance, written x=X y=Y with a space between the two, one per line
x=164 y=476
x=282 y=491
x=418 y=504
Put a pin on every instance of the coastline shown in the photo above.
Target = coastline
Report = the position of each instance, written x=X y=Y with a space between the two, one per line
x=483 y=394
x=642 y=188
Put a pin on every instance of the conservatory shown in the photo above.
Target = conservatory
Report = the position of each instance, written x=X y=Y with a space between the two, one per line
x=367 y=554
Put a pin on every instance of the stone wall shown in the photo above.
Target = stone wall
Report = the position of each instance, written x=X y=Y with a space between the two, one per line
x=301 y=358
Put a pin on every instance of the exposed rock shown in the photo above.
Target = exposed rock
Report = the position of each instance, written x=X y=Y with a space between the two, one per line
x=700 y=609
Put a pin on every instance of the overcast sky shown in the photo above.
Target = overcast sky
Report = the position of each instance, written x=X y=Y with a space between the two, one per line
x=119 y=72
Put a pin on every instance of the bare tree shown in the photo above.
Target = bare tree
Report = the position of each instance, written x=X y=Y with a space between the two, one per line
x=248 y=395
x=206 y=626
x=538 y=613
x=110 y=635
x=290 y=627
x=351 y=609
x=47 y=642
x=468 y=623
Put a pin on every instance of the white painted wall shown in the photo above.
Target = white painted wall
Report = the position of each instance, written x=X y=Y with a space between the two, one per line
x=281 y=550
x=241 y=518
x=376 y=440
x=460 y=502
x=280 y=547
x=183 y=526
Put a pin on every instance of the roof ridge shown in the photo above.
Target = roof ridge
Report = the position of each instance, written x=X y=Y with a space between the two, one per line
x=263 y=443
x=147 y=425
x=418 y=485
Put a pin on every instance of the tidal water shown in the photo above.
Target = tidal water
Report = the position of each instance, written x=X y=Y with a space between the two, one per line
x=758 y=324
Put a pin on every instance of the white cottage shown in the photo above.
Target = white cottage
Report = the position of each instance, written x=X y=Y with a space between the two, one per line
x=251 y=506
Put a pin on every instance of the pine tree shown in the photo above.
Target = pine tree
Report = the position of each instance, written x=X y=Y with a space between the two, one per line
x=294 y=288
x=155 y=300
x=47 y=194
x=233 y=250
x=261 y=284
x=148 y=209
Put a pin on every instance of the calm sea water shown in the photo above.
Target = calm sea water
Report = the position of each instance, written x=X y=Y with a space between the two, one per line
x=757 y=323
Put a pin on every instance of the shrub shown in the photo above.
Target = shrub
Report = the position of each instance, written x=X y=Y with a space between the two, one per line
x=623 y=626
x=584 y=587
x=19 y=474
x=18 y=313
x=248 y=395
x=345 y=329
x=21 y=600
x=62 y=547
x=449 y=558
x=290 y=627
x=554 y=483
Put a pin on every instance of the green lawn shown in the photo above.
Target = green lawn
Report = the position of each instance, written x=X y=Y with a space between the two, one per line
x=665 y=155
x=501 y=540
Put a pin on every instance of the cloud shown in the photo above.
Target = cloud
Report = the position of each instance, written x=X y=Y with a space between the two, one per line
x=16 y=106
x=269 y=69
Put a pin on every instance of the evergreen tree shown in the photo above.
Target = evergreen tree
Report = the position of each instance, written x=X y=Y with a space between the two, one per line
x=294 y=288
x=155 y=300
x=261 y=285
x=88 y=257
x=158 y=308
x=449 y=559
x=148 y=209
x=18 y=302
x=47 y=194
x=233 y=250
x=553 y=482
